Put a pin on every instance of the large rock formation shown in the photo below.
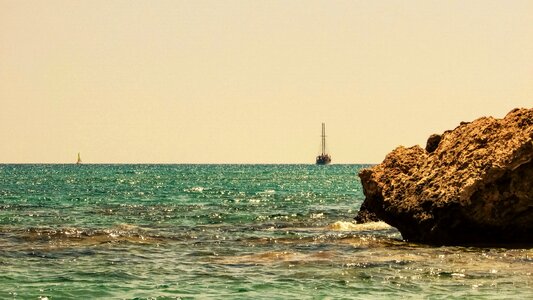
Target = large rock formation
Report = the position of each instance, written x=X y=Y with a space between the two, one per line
x=471 y=185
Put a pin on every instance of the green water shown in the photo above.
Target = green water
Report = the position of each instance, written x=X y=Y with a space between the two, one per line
x=232 y=231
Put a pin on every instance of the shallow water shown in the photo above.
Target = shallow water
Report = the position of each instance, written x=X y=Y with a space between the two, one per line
x=212 y=231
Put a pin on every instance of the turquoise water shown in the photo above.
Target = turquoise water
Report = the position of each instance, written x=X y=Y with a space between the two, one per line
x=232 y=231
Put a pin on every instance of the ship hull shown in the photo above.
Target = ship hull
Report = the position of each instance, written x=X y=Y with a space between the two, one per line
x=323 y=160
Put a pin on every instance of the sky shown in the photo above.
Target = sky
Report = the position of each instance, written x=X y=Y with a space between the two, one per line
x=251 y=81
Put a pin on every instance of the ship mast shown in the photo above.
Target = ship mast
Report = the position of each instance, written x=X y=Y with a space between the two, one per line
x=323 y=138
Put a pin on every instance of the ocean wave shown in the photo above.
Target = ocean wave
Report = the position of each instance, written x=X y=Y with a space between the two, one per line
x=351 y=226
x=269 y=257
x=74 y=236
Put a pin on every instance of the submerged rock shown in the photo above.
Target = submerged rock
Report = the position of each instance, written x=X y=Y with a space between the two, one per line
x=471 y=185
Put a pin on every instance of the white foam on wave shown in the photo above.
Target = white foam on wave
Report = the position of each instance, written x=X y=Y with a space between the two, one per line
x=197 y=189
x=351 y=226
x=317 y=216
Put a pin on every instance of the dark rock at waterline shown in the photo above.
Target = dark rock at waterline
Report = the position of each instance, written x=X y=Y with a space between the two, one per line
x=471 y=185
x=365 y=215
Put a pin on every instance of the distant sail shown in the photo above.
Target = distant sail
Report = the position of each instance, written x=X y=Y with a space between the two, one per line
x=79 y=159
x=324 y=158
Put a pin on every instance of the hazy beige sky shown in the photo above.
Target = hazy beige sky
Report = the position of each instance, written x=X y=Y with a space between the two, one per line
x=251 y=81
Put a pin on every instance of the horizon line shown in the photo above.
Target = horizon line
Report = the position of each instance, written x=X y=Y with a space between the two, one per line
x=171 y=163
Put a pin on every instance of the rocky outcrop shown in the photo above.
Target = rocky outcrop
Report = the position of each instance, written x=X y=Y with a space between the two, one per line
x=471 y=185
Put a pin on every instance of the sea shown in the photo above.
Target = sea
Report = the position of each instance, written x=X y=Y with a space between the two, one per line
x=224 y=232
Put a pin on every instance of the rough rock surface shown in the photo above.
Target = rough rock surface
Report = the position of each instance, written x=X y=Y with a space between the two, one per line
x=471 y=185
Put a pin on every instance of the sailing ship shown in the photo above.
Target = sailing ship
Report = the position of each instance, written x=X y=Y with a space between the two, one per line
x=78 y=162
x=324 y=158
